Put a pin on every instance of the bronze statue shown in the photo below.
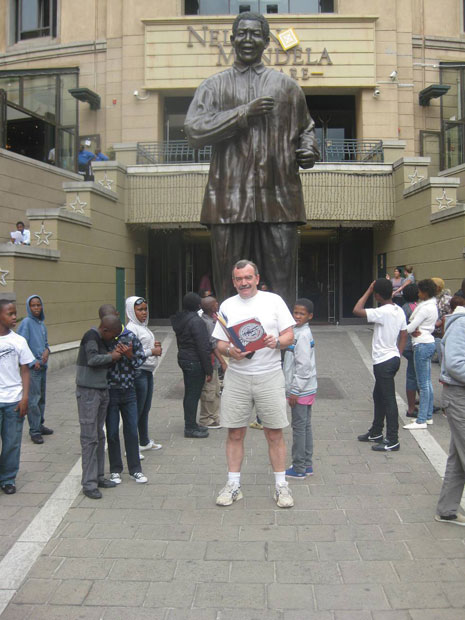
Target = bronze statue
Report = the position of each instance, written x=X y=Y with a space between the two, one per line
x=257 y=120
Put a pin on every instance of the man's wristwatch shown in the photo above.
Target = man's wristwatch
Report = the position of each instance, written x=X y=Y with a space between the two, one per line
x=228 y=348
x=278 y=344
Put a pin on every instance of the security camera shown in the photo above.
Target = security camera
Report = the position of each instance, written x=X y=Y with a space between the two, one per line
x=136 y=93
x=393 y=75
x=376 y=92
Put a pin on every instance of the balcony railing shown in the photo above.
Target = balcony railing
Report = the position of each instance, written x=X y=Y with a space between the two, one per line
x=179 y=152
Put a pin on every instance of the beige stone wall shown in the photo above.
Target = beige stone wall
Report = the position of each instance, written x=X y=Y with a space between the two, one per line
x=75 y=285
x=434 y=249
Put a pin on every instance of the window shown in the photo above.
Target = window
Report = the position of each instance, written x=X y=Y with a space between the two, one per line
x=233 y=7
x=41 y=117
x=35 y=18
x=453 y=116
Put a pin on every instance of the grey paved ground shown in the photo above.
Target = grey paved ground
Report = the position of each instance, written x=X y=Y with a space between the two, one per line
x=360 y=543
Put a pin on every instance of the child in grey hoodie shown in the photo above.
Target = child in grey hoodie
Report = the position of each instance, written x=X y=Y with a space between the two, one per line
x=301 y=384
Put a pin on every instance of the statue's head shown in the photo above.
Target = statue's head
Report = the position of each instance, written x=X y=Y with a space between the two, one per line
x=250 y=37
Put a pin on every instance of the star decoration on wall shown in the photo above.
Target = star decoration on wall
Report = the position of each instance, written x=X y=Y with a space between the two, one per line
x=3 y=275
x=106 y=182
x=42 y=236
x=78 y=205
x=415 y=177
x=444 y=202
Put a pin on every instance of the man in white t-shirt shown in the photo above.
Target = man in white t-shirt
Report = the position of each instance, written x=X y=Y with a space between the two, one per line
x=15 y=356
x=257 y=380
x=389 y=338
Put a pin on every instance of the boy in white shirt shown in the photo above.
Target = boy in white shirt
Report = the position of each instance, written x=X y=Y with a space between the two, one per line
x=390 y=327
x=15 y=356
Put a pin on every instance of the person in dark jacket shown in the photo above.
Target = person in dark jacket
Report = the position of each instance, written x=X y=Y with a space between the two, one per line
x=194 y=359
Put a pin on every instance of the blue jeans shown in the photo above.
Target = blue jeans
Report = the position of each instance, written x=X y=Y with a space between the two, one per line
x=302 y=437
x=422 y=354
x=411 y=377
x=11 y=430
x=143 y=385
x=124 y=401
x=194 y=378
x=36 y=406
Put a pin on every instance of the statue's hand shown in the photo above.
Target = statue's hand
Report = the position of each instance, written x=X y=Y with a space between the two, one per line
x=260 y=106
x=305 y=159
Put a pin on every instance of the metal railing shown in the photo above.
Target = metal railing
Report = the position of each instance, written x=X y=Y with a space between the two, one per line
x=179 y=152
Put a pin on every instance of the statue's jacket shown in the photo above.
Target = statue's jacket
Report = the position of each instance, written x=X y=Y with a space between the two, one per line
x=254 y=176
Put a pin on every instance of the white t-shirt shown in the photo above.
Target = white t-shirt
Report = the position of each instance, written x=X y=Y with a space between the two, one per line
x=272 y=312
x=389 y=320
x=14 y=351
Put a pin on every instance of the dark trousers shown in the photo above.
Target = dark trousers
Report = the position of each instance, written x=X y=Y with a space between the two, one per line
x=144 y=392
x=36 y=405
x=124 y=401
x=384 y=398
x=273 y=247
x=194 y=378
x=92 y=409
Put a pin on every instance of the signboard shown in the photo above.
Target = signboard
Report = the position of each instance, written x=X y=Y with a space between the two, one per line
x=332 y=51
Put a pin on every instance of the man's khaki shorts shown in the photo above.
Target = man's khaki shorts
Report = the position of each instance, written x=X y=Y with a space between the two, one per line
x=241 y=392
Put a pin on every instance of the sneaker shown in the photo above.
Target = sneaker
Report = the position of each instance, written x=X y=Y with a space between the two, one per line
x=412 y=415
x=92 y=493
x=9 y=489
x=454 y=519
x=256 y=425
x=106 y=484
x=414 y=426
x=214 y=425
x=429 y=422
x=386 y=446
x=116 y=478
x=150 y=446
x=283 y=496
x=368 y=437
x=37 y=439
x=139 y=477
x=195 y=433
x=229 y=494
x=309 y=471
x=45 y=431
x=436 y=409
x=292 y=473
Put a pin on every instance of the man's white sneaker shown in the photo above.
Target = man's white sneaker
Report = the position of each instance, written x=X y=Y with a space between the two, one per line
x=229 y=494
x=429 y=422
x=139 y=477
x=283 y=496
x=116 y=478
x=414 y=426
x=150 y=446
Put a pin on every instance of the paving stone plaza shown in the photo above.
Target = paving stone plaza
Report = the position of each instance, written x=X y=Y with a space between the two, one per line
x=361 y=542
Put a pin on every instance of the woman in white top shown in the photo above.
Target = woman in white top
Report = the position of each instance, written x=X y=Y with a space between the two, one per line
x=138 y=315
x=421 y=327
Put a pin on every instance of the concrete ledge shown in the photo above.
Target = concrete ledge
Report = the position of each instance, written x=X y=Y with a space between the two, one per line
x=411 y=161
x=28 y=251
x=63 y=354
x=90 y=186
x=447 y=214
x=432 y=182
x=59 y=213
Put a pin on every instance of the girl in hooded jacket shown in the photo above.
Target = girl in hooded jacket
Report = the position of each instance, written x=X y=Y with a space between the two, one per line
x=138 y=315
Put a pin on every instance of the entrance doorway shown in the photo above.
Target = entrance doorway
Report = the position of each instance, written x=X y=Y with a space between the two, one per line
x=334 y=117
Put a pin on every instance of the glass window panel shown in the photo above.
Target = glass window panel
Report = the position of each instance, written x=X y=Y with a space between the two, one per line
x=274 y=6
x=239 y=6
x=213 y=7
x=39 y=95
x=431 y=147
x=68 y=103
x=11 y=86
x=304 y=6
x=453 y=142
x=30 y=14
x=66 y=151
x=451 y=101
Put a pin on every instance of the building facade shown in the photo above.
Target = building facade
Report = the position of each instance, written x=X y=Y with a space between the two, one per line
x=384 y=83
